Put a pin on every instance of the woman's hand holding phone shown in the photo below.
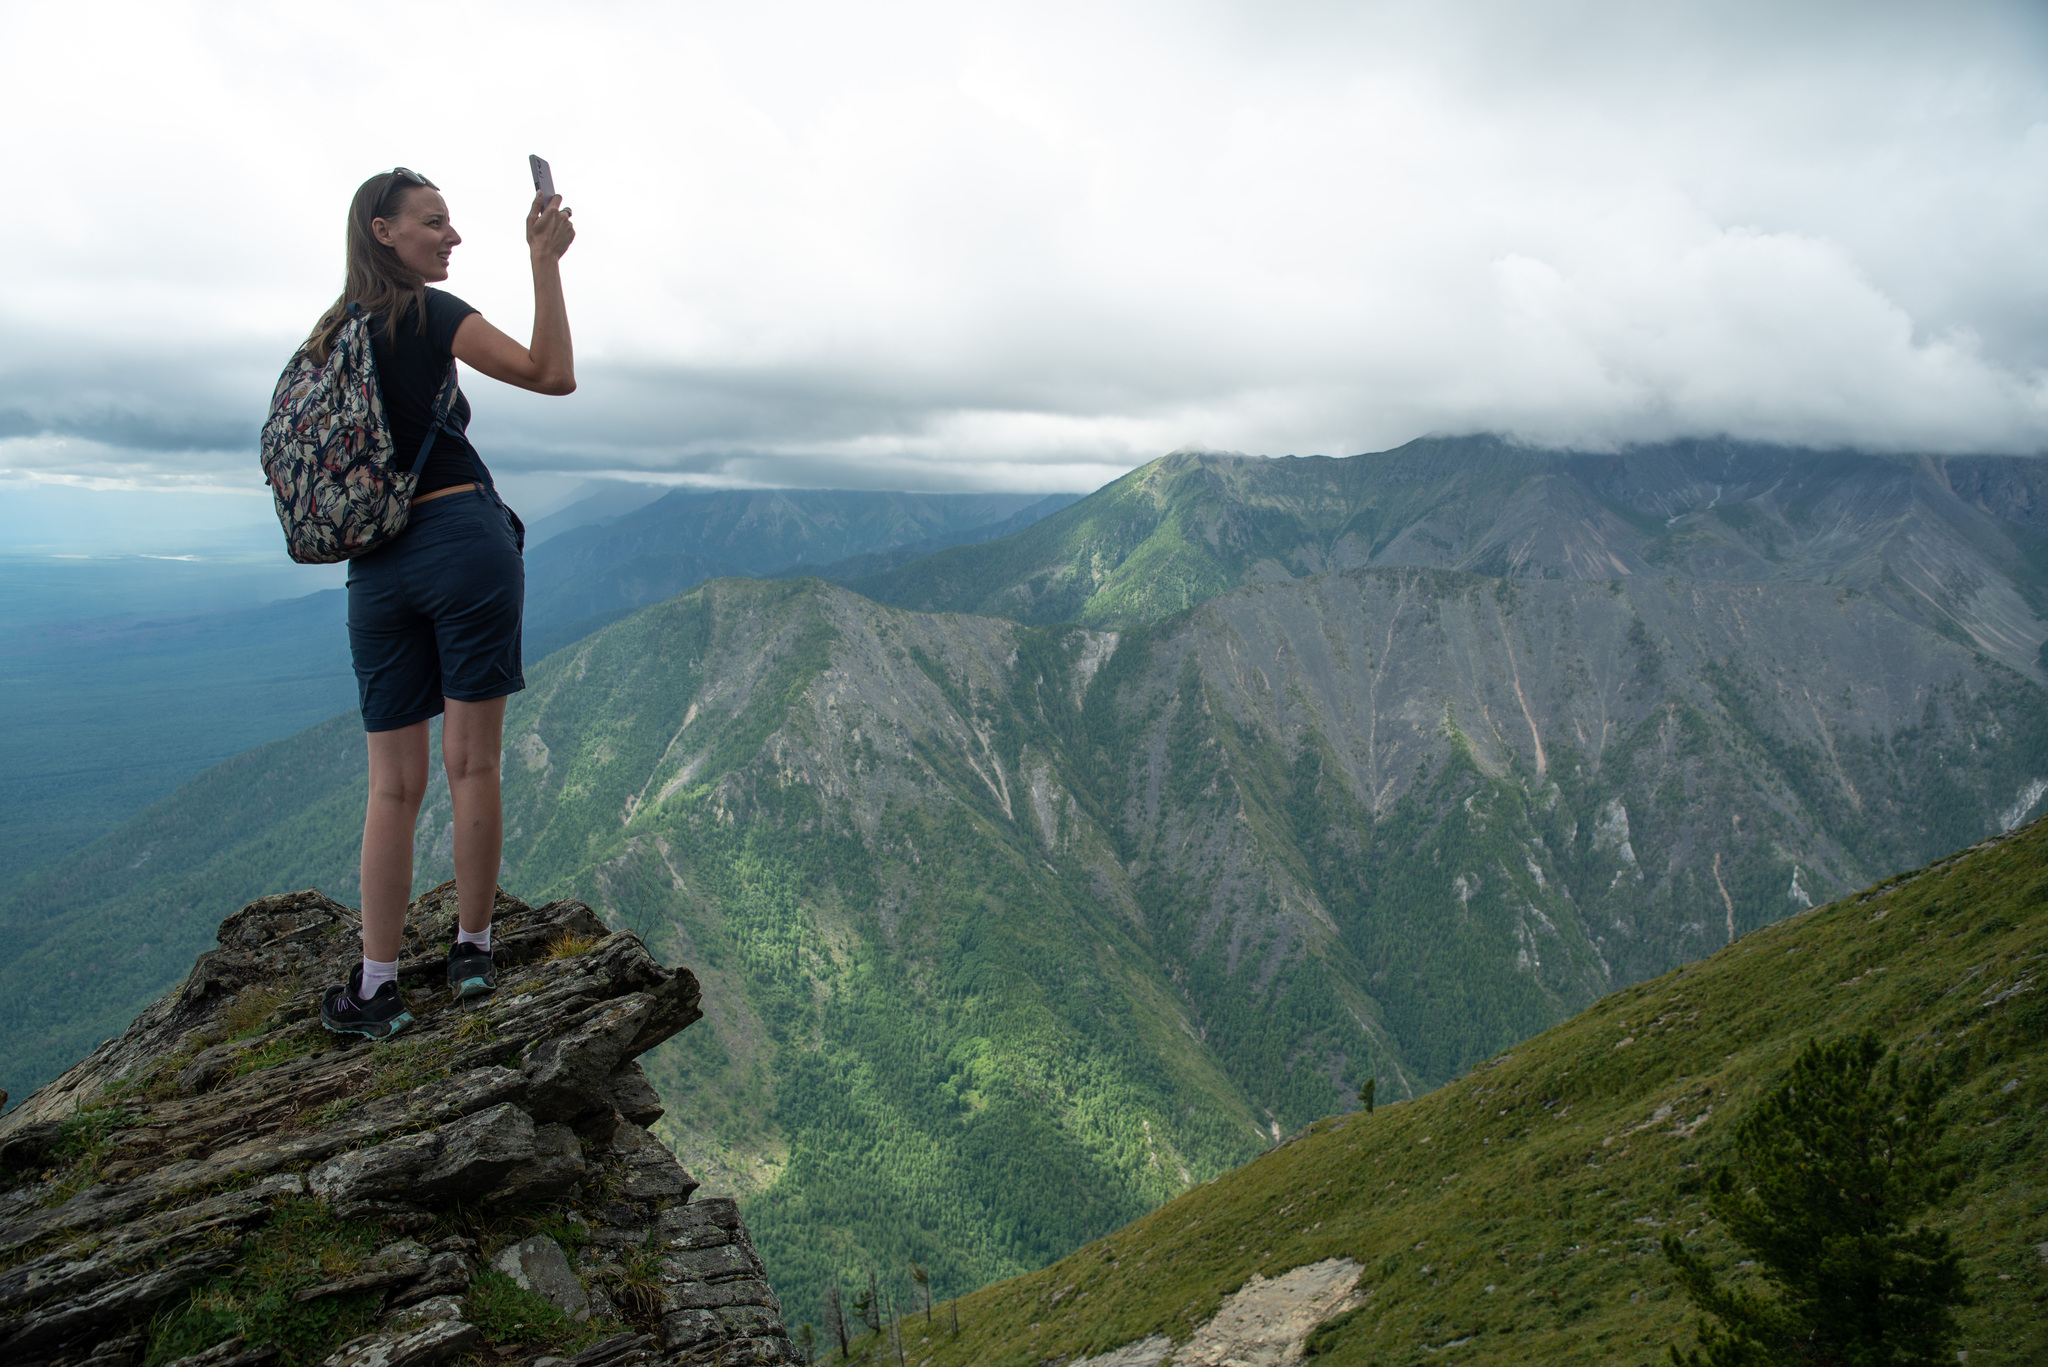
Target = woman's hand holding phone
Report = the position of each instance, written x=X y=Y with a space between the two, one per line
x=548 y=229
x=548 y=364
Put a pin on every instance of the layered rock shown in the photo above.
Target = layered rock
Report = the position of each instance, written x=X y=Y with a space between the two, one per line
x=229 y=1182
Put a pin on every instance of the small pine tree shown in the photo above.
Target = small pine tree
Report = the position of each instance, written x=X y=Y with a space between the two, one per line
x=806 y=1341
x=1829 y=1169
x=869 y=1307
x=1365 y=1093
x=923 y=1277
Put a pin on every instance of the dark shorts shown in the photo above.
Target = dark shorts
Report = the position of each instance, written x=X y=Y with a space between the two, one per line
x=435 y=612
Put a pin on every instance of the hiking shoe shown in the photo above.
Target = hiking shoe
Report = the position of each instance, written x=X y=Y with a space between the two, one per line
x=470 y=971
x=344 y=1011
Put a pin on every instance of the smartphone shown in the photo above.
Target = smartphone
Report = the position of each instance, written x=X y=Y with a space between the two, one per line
x=543 y=178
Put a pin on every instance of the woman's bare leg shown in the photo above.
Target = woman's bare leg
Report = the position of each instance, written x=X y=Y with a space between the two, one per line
x=398 y=781
x=472 y=742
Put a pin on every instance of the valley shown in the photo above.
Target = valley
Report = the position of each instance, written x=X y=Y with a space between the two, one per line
x=1013 y=928
x=127 y=676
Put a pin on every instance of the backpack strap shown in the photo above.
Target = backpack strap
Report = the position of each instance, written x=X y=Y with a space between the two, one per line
x=443 y=403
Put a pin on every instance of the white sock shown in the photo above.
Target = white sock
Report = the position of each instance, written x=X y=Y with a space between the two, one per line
x=375 y=975
x=480 y=938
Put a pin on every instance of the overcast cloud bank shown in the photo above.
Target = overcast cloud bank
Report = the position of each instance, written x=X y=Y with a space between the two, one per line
x=1009 y=246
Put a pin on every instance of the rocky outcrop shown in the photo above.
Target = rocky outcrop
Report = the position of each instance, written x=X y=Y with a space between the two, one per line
x=1264 y=1323
x=227 y=1184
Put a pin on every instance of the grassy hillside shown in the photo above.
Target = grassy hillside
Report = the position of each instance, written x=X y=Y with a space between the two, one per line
x=1514 y=1215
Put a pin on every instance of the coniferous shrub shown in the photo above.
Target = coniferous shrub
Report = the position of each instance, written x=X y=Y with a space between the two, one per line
x=1830 y=1170
x=922 y=1276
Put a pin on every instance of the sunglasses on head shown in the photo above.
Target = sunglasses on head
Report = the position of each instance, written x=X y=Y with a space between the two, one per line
x=402 y=176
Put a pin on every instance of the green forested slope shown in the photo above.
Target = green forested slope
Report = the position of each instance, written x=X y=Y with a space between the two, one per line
x=1009 y=933
x=106 y=716
x=1515 y=1215
x=102 y=932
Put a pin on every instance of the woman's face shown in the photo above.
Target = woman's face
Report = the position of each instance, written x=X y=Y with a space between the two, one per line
x=419 y=231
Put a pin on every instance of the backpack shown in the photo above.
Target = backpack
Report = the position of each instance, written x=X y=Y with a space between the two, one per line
x=328 y=455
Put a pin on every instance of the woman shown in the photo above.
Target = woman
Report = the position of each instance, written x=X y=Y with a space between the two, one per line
x=434 y=613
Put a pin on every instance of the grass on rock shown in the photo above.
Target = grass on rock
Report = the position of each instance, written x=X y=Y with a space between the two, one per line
x=301 y=1245
x=506 y=1314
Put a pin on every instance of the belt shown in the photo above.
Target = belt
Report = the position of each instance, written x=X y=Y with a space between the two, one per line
x=451 y=489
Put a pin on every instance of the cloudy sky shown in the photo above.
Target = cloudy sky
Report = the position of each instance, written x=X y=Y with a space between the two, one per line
x=1032 y=245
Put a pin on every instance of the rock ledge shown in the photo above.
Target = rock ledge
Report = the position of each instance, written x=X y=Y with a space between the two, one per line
x=227 y=1185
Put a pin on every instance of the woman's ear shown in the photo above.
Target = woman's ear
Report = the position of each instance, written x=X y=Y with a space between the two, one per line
x=380 y=228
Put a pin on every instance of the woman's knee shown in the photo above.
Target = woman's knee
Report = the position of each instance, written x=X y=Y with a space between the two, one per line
x=398 y=790
x=398 y=765
x=479 y=765
x=473 y=740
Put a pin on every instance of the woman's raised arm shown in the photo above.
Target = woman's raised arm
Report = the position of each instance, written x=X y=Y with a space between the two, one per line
x=549 y=365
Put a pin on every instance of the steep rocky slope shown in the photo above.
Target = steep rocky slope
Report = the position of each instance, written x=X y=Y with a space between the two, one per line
x=1014 y=932
x=1956 y=545
x=227 y=1183
x=1514 y=1215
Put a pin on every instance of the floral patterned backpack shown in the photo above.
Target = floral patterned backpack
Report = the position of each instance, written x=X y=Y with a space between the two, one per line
x=328 y=455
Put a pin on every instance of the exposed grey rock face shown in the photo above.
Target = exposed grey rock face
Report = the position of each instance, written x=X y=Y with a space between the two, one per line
x=154 y=1166
x=712 y=1286
x=539 y=1265
x=463 y=1159
x=430 y=1342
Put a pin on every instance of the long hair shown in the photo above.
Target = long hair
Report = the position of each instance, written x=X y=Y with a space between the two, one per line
x=375 y=277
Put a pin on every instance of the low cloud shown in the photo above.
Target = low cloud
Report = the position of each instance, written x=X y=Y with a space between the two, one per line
x=1030 y=247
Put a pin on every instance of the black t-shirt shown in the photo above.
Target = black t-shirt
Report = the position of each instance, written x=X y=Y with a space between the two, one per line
x=411 y=364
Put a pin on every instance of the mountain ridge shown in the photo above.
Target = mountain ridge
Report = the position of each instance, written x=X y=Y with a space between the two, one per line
x=1951 y=543
x=113 y=712
x=589 y=576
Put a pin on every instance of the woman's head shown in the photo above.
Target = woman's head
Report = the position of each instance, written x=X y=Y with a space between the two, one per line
x=399 y=239
x=400 y=222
